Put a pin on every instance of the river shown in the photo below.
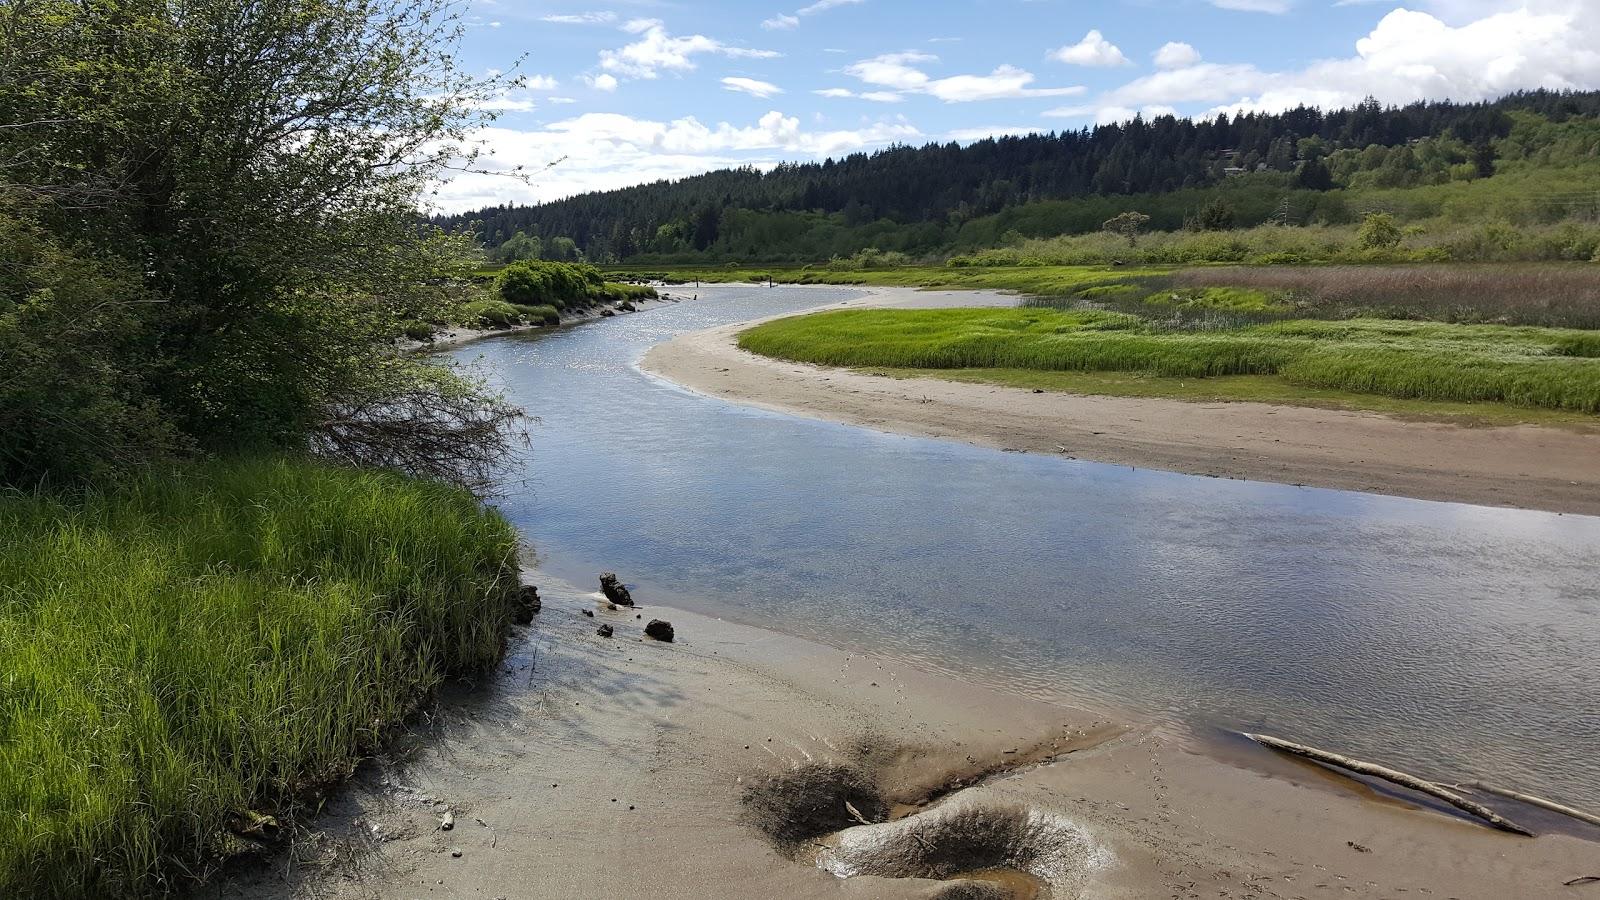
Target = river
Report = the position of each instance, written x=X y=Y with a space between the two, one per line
x=1458 y=641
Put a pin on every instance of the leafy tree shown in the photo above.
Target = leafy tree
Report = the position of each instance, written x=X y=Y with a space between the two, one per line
x=1378 y=231
x=1128 y=225
x=520 y=246
x=1313 y=175
x=255 y=170
x=563 y=249
x=1217 y=215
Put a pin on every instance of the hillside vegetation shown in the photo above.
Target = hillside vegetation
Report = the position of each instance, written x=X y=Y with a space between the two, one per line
x=1468 y=175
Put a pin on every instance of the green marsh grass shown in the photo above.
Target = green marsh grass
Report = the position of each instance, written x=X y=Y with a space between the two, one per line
x=1515 y=365
x=214 y=640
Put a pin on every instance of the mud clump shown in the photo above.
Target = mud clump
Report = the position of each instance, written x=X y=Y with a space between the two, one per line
x=526 y=605
x=614 y=590
x=961 y=838
x=809 y=802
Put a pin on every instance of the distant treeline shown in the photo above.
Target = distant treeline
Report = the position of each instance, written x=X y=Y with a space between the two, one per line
x=943 y=197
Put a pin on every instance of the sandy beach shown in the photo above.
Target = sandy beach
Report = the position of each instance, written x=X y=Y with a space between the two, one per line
x=620 y=767
x=1521 y=466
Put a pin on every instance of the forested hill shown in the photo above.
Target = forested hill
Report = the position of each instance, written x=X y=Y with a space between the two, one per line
x=915 y=199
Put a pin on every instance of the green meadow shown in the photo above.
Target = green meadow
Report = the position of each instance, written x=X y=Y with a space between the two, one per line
x=1518 y=366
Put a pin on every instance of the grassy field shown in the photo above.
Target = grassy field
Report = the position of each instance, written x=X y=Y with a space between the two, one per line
x=1255 y=389
x=1560 y=295
x=1538 y=368
x=1051 y=281
x=192 y=646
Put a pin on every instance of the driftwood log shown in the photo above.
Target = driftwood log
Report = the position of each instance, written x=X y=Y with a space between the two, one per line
x=1393 y=775
x=1531 y=800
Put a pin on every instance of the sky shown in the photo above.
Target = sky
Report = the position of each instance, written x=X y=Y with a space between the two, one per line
x=631 y=91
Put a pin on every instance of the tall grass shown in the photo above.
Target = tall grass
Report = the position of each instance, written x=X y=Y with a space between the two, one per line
x=1522 y=366
x=1562 y=296
x=201 y=643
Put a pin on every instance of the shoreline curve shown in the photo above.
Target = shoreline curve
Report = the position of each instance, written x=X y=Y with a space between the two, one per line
x=1521 y=466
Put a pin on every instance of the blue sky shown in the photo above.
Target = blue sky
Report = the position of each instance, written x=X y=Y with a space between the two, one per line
x=635 y=90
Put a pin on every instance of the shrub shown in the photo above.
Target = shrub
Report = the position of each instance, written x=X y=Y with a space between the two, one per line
x=492 y=314
x=418 y=331
x=558 y=284
x=1378 y=231
x=540 y=315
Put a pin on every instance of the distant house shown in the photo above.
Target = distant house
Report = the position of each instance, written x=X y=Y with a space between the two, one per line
x=1230 y=171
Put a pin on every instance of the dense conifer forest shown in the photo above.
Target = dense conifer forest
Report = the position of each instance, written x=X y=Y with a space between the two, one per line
x=946 y=197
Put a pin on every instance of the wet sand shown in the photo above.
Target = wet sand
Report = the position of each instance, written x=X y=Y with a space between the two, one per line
x=616 y=768
x=1521 y=466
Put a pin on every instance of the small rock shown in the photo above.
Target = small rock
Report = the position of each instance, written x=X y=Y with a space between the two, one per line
x=448 y=823
x=615 y=590
x=1038 y=390
x=589 y=613
x=605 y=631
x=456 y=853
x=1358 y=847
x=660 y=630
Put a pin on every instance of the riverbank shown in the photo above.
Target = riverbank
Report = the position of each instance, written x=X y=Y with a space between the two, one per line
x=627 y=768
x=459 y=336
x=1521 y=466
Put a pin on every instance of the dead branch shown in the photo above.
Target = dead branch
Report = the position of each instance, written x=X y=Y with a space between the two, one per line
x=1531 y=800
x=1393 y=775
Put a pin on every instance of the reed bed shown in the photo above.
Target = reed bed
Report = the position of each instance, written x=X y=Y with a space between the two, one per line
x=1522 y=366
x=1558 y=296
x=195 y=645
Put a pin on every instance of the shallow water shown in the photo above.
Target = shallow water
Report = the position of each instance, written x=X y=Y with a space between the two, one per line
x=1458 y=641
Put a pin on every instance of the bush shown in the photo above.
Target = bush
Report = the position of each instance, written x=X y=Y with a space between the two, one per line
x=76 y=402
x=540 y=315
x=492 y=314
x=418 y=331
x=1378 y=231
x=562 y=285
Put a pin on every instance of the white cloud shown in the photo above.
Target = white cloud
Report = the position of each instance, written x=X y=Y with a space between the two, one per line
x=874 y=96
x=1407 y=56
x=539 y=83
x=824 y=5
x=968 y=135
x=1109 y=114
x=602 y=82
x=587 y=18
x=1176 y=55
x=784 y=22
x=602 y=151
x=657 y=51
x=751 y=86
x=898 y=72
x=1093 y=50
